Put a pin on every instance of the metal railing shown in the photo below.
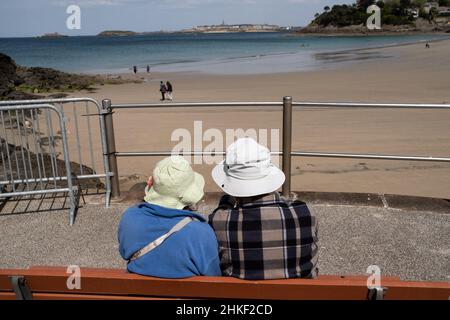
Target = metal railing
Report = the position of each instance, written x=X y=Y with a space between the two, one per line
x=287 y=106
x=35 y=163
x=30 y=162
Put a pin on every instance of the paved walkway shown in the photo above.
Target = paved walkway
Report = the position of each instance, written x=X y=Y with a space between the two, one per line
x=414 y=245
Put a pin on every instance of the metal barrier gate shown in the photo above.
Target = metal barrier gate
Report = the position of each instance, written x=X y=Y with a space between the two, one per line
x=86 y=143
x=30 y=162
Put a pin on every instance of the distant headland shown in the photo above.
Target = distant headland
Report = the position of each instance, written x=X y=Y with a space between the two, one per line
x=222 y=28
x=397 y=17
x=405 y=16
x=237 y=28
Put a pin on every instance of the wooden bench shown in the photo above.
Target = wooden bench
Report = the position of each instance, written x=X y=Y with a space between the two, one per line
x=51 y=283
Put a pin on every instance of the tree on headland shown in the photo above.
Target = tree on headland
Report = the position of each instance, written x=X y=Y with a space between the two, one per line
x=341 y=16
x=363 y=4
x=405 y=4
x=380 y=4
x=326 y=9
x=393 y=12
x=432 y=14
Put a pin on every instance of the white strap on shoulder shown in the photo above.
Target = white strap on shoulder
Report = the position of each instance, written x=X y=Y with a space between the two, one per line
x=154 y=244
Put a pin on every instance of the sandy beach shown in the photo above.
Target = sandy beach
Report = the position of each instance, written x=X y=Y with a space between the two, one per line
x=408 y=73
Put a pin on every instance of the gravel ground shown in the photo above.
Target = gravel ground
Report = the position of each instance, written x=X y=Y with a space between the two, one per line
x=414 y=245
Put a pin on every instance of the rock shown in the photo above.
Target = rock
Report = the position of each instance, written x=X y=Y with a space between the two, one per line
x=20 y=95
x=19 y=157
x=22 y=83
x=8 y=75
x=5 y=148
x=46 y=79
x=58 y=95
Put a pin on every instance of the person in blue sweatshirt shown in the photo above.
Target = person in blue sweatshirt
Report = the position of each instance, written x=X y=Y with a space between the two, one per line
x=163 y=237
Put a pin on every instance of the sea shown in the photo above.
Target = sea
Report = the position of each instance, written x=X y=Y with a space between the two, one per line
x=225 y=53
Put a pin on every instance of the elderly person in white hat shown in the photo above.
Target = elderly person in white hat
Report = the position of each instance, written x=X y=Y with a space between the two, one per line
x=162 y=237
x=260 y=234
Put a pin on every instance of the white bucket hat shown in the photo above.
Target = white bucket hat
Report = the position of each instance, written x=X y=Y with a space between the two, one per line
x=247 y=170
x=175 y=184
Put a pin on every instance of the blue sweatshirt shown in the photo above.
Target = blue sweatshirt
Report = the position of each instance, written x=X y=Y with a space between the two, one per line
x=192 y=251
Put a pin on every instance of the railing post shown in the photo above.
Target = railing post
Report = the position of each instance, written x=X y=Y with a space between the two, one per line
x=111 y=147
x=287 y=144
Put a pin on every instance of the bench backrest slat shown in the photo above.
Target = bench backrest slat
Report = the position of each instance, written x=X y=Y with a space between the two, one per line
x=51 y=283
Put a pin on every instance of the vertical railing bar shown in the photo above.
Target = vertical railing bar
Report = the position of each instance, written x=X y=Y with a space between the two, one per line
x=77 y=136
x=51 y=146
x=15 y=145
x=5 y=170
x=36 y=147
x=287 y=144
x=104 y=142
x=21 y=150
x=38 y=127
x=111 y=147
x=27 y=144
x=88 y=119
x=7 y=152
x=55 y=156
x=65 y=150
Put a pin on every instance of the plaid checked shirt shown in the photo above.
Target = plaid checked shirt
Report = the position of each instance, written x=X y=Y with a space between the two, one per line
x=266 y=238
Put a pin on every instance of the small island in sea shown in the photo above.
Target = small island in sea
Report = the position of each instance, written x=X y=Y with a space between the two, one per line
x=52 y=35
x=117 y=33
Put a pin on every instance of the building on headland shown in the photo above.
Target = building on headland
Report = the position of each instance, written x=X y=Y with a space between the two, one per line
x=413 y=12
x=430 y=5
x=443 y=16
x=229 y=28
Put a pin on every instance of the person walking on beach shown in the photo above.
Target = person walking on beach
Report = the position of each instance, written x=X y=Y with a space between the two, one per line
x=148 y=69
x=135 y=69
x=164 y=236
x=261 y=234
x=163 y=90
x=169 y=90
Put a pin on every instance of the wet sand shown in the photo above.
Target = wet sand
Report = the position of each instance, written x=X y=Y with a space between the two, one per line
x=396 y=74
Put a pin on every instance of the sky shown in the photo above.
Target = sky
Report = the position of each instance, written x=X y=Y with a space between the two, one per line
x=23 y=18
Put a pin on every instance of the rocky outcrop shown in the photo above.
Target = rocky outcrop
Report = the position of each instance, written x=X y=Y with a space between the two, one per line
x=20 y=159
x=23 y=83
x=41 y=80
x=8 y=75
